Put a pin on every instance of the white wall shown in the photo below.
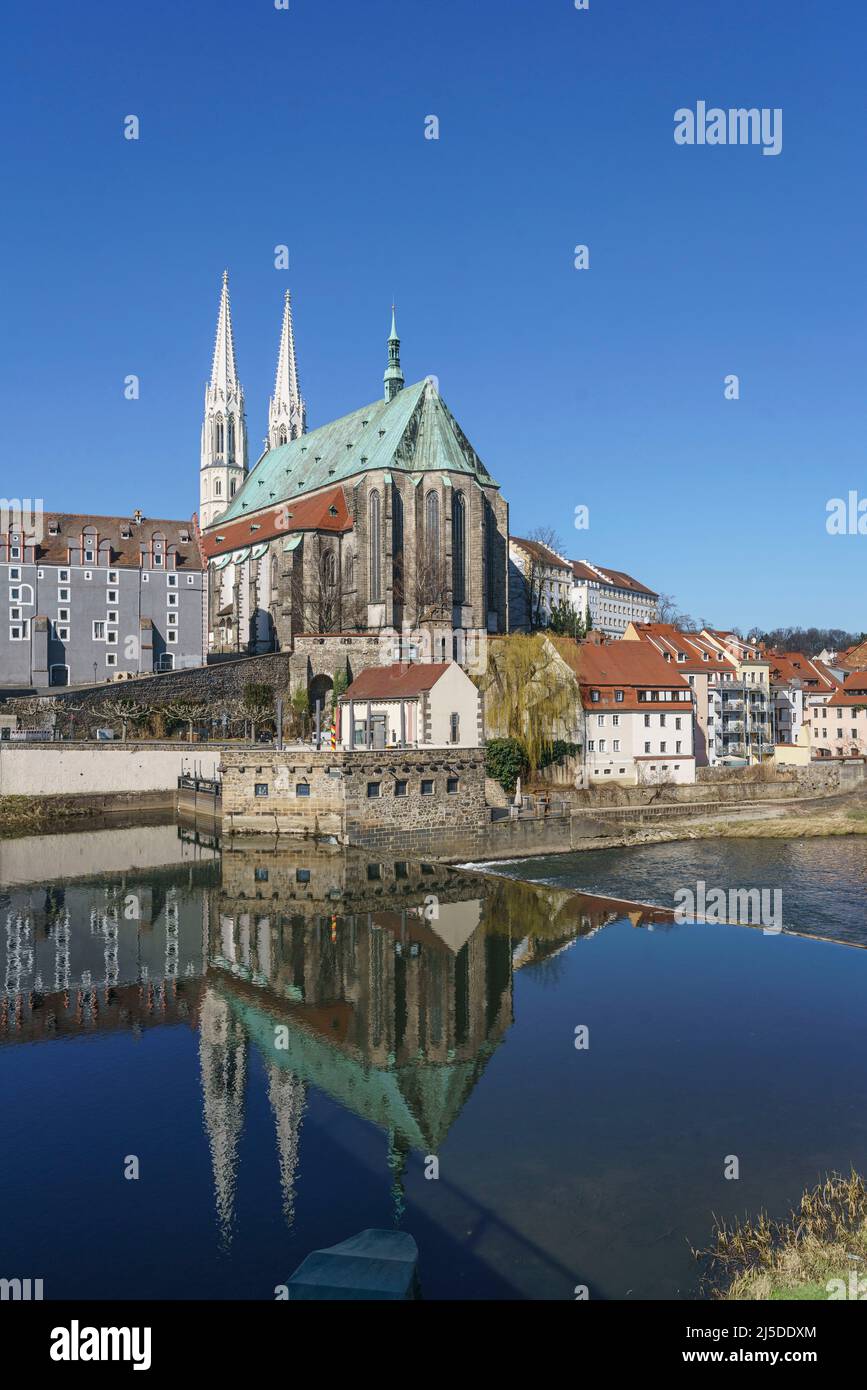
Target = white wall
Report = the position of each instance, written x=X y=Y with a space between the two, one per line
x=57 y=770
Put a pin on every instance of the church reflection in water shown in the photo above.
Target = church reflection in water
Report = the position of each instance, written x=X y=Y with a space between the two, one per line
x=385 y=986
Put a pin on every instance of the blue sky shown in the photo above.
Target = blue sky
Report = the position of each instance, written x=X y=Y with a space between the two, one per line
x=601 y=387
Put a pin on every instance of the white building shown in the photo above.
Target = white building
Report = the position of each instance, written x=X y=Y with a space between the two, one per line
x=410 y=705
x=612 y=598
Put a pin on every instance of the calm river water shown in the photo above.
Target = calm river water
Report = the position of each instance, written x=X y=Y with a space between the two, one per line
x=281 y=1039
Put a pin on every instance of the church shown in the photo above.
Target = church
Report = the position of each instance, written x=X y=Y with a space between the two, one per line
x=382 y=522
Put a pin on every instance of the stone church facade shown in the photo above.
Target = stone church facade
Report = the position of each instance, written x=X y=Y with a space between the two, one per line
x=380 y=534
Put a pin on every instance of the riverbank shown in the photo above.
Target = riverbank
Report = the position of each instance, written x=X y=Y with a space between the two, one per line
x=22 y=815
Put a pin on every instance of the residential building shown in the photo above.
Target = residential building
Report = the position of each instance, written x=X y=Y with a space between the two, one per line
x=838 y=727
x=741 y=714
x=709 y=671
x=539 y=582
x=637 y=713
x=410 y=705
x=612 y=598
x=795 y=678
x=98 y=596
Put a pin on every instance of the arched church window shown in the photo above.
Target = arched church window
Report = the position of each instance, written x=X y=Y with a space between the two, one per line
x=459 y=547
x=374 y=541
x=218 y=487
x=231 y=438
x=329 y=569
x=232 y=485
x=219 y=436
x=283 y=436
x=432 y=527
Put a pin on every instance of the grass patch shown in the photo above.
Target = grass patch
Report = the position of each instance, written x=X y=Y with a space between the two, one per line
x=824 y=1238
x=20 y=814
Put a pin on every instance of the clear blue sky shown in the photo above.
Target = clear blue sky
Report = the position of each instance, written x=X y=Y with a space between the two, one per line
x=603 y=387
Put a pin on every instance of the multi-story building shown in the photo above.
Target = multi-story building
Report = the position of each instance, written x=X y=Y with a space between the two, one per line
x=540 y=580
x=95 y=596
x=637 y=713
x=796 y=682
x=612 y=598
x=708 y=670
x=741 y=715
x=838 y=724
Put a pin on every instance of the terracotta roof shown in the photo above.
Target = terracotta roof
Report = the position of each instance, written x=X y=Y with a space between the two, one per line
x=541 y=552
x=621 y=665
x=618 y=579
x=324 y=511
x=855 y=658
x=125 y=550
x=853 y=691
x=667 y=638
x=787 y=667
x=395 y=682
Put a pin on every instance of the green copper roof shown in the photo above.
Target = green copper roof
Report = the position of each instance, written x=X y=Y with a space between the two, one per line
x=413 y=433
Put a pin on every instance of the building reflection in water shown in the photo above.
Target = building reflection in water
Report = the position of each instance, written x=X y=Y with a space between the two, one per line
x=387 y=986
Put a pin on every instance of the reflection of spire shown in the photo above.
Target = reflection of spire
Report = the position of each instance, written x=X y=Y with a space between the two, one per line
x=288 y=1099
x=398 y=1150
x=223 y=1060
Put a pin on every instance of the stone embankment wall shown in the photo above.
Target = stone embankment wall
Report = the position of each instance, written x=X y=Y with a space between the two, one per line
x=117 y=774
x=206 y=683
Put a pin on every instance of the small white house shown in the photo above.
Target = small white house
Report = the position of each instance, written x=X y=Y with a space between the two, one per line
x=410 y=705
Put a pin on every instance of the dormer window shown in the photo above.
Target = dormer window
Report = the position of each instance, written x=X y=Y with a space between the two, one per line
x=53 y=528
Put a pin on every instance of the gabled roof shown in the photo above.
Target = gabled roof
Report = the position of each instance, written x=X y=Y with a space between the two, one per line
x=401 y=680
x=326 y=511
x=853 y=691
x=667 y=638
x=126 y=550
x=543 y=554
x=855 y=658
x=789 y=667
x=600 y=574
x=619 y=664
x=415 y=433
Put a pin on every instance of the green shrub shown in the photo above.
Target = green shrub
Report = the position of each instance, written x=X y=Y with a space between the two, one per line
x=506 y=761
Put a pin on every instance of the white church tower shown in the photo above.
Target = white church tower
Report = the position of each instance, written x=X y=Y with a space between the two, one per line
x=224 y=431
x=287 y=413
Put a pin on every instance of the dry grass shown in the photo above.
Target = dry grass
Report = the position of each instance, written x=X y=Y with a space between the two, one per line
x=20 y=814
x=823 y=1238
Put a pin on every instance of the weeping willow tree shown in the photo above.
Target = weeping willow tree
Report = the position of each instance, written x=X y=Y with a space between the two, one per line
x=530 y=694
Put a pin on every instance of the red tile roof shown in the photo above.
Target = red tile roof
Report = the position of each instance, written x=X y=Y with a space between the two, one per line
x=853 y=692
x=125 y=551
x=626 y=666
x=541 y=552
x=400 y=680
x=323 y=511
x=619 y=579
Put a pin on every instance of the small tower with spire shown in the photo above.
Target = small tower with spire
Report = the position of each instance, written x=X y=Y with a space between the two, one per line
x=393 y=377
x=224 y=430
x=287 y=413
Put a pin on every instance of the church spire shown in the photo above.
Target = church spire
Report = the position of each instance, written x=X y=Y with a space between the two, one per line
x=393 y=377
x=223 y=368
x=224 y=430
x=287 y=413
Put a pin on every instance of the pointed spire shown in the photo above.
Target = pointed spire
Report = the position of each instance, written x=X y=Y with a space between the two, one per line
x=393 y=377
x=287 y=413
x=223 y=375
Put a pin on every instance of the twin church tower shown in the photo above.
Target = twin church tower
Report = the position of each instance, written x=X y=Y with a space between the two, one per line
x=224 y=459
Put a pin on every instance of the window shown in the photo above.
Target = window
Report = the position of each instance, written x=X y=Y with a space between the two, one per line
x=677 y=722
x=172 y=580
x=111 y=596
x=19 y=632
x=647 y=747
x=172 y=619
x=63 y=615
x=99 y=631
x=662 y=746
x=451 y=785
x=454 y=728
x=260 y=875
x=62 y=595
x=14 y=614
x=62 y=634
x=400 y=787
x=459 y=547
x=615 y=746
x=591 y=745
x=374 y=520
x=172 y=635
x=615 y=720
x=111 y=577
x=111 y=617
x=172 y=600
x=63 y=576
x=602 y=745
x=427 y=786
x=302 y=789
x=88 y=556
x=618 y=696
x=647 y=721
x=372 y=790
x=600 y=721
x=261 y=789
x=111 y=658
x=678 y=745
x=111 y=635
x=302 y=875
x=594 y=696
